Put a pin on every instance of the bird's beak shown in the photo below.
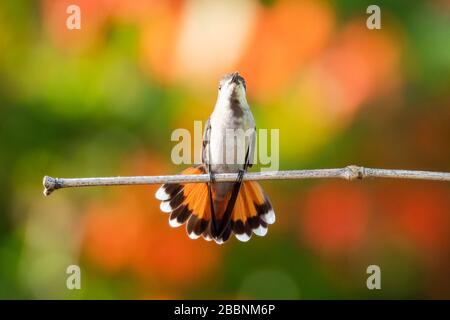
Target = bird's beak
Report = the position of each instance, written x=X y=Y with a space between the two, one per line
x=235 y=78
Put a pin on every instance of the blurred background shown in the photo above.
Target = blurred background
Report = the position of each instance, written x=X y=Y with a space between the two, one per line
x=103 y=101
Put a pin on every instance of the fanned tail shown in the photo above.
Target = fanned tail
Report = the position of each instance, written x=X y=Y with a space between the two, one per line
x=190 y=204
x=253 y=212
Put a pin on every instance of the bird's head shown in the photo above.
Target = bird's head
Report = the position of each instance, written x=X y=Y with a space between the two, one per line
x=232 y=88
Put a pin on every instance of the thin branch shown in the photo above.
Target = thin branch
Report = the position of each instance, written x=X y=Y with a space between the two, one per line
x=348 y=173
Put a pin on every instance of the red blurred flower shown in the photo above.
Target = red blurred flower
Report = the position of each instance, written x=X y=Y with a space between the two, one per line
x=419 y=214
x=335 y=217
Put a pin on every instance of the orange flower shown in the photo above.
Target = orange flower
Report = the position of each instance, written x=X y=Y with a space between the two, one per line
x=361 y=64
x=110 y=232
x=93 y=16
x=286 y=36
x=128 y=232
x=158 y=42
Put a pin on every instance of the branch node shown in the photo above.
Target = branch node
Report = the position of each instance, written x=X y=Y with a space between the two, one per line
x=354 y=172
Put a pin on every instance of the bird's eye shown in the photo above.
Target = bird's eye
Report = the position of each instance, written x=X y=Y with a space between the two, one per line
x=220 y=86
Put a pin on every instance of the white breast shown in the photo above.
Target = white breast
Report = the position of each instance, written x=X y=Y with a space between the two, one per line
x=226 y=153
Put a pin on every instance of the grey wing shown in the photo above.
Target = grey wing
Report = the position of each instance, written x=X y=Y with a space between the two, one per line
x=205 y=145
x=251 y=149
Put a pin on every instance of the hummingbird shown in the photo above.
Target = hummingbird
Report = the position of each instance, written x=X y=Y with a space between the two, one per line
x=216 y=210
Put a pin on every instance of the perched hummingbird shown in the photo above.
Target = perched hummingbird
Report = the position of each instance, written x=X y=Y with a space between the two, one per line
x=215 y=210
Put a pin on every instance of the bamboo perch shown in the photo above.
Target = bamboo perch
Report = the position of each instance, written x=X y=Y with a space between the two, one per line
x=349 y=173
